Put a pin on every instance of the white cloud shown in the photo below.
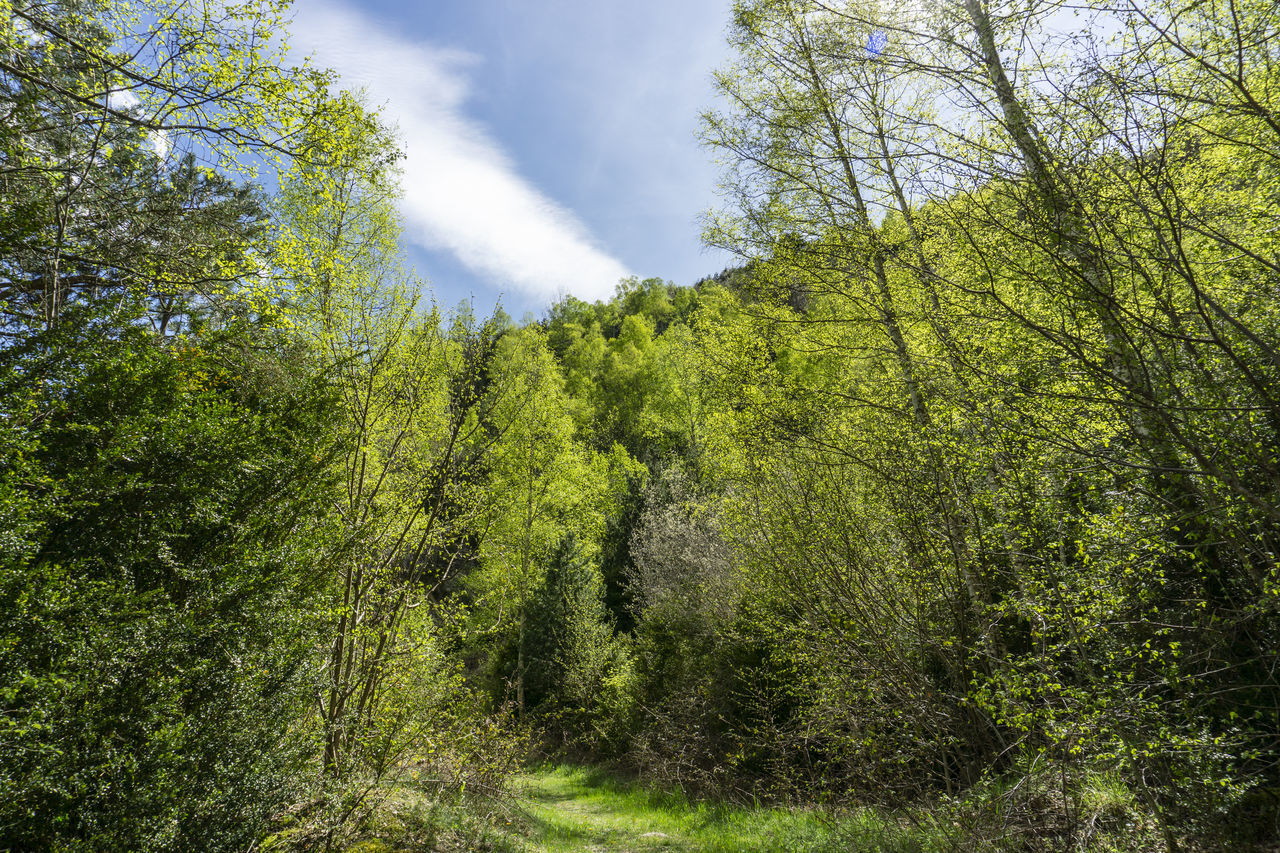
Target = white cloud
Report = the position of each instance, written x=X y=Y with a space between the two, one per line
x=161 y=143
x=126 y=101
x=463 y=194
x=122 y=99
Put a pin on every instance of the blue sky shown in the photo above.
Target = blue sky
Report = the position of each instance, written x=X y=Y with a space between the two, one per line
x=551 y=145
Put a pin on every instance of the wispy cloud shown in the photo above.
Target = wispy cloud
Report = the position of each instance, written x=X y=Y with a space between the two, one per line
x=463 y=193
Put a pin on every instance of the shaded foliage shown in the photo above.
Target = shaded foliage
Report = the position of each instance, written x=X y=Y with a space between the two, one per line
x=165 y=509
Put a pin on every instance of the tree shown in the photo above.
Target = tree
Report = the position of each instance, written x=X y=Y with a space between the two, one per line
x=1032 y=261
x=117 y=116
x=542 y=484
x=570 y=645
x=165 y=509
x=407 y=435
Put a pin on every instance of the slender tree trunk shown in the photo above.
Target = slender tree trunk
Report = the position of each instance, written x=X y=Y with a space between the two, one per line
x=885 y=302
x=1063 y=212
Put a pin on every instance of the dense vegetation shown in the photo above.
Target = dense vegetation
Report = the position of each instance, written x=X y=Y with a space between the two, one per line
x=957 y=498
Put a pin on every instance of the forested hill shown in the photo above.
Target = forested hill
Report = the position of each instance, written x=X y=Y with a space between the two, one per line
x=951 y=511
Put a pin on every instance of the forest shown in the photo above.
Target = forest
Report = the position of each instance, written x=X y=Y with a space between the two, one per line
x=947 y=518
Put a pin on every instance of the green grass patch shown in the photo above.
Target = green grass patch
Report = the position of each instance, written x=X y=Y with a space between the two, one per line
x=570 y=809
x=577 y=809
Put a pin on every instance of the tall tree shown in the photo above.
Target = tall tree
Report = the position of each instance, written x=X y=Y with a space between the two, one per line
x=543 y=484
x=115 y=116
x=405 y=438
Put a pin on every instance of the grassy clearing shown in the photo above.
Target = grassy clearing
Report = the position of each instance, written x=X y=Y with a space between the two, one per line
x=579 y=810
x=570 y=809
x=575 y=809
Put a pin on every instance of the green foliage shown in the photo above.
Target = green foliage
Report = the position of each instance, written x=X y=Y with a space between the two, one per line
x=960 y=492
x=628 y=368
x=283 y=457
x=163 y=504
x=571 y=654
x=971 y=390
x=117 y=115
x=410 y=431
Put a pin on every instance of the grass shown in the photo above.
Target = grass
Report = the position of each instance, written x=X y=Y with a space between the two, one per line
x=570 y=809
x=584 y=811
